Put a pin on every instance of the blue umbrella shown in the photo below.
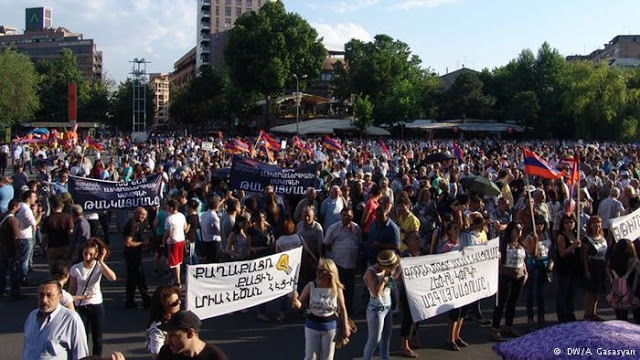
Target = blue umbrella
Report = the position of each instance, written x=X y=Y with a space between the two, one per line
x=41 y=131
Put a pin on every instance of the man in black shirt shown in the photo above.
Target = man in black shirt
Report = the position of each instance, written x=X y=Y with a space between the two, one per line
x=184 y=342
x=133 y=258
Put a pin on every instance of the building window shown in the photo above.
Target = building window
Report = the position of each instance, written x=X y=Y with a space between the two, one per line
x=238 y=12
x=249 y=4
x=228 y=3
x=217 y=11
x=227 y=23
x=227 y=11
x=239 y=3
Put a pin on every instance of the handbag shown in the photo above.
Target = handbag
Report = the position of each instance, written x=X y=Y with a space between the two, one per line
x=340 y=339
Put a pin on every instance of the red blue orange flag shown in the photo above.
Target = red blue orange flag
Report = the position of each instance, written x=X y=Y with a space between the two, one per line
x=330 y=144
x=384 y=149
x=270 y=142
x=92 y=144
x=535 y=165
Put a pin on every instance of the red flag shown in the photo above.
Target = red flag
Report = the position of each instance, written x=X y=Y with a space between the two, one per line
x=92 y=144
x=384 y=149
x=457 y=152
x=331 y=144
x=574 y=178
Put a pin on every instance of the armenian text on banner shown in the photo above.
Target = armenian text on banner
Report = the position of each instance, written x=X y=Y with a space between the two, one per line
x=96 y=195
x=252 y=175
x=438 y=283
x=625 y=227
x=222 y=288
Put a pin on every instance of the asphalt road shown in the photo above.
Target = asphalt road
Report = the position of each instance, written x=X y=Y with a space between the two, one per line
x=241 y=336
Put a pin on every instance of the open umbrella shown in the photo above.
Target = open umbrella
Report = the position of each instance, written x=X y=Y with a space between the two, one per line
x=439 y=157
x=480 y=184
x=580 y=339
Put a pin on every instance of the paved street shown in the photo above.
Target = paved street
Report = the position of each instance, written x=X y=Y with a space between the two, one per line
x=240 y=335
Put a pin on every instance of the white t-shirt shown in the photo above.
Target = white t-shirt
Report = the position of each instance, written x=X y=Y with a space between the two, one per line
x=66 y=298
x=81 y=274
x=175 y=225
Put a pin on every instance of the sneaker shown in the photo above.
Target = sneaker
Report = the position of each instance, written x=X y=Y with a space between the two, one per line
x=483 y=322
x=461 y=343
x=450 y=345
x=496 y=336
x=509 y=332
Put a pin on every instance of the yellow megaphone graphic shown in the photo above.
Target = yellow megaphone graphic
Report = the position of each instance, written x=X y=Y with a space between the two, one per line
x=283 y=264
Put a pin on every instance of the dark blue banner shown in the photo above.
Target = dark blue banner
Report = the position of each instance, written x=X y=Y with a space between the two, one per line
x=98 y=195
x=251 y=175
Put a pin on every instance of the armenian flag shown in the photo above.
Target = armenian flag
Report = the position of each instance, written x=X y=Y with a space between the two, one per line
x=535 y=165
x=92 y=144
x=270 y=142
x=298 y=143
x=236 y=146
x=457 y=152
x=330 y=144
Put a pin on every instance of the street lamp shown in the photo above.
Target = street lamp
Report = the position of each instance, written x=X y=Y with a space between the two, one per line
x=298 y=98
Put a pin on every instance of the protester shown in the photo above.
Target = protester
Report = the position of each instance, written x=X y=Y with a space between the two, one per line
x=380 y=278
x=57 y=229
x=539 y=266
x=566 y=266
x=238 y=241
x=165 y=302
x=624 y=260
x=325 y=299
x=81 y=233
x=408 y=329
x=594 y=251
x=174 y=237
x=53 y=331
x=10 y=251
x=210 y=227
x=84 y=284
x=512 y=275
x=61 y=272
x=133 y=243
x=183 y=341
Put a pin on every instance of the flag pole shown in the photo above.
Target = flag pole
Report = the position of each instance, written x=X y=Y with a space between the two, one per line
x=533 y=219
x=578 y=207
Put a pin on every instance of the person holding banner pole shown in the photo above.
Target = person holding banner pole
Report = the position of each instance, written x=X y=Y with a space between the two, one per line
x=325 y=299
x=539 y=267
x=566 y=265
x=380 y=278
x=512 y=275
x=408 y=329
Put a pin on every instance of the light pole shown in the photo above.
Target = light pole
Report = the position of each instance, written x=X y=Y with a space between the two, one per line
x=298 y=98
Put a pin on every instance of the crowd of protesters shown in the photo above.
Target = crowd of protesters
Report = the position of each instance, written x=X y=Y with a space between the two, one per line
x=372 y=201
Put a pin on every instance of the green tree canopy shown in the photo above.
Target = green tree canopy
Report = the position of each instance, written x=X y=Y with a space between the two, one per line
x=266 y=47
x=18 y=88
x=122 y=104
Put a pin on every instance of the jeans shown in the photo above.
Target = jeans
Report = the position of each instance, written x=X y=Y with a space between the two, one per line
x=192 y=259
x=105 y=220
x=319 y=345
x=93 y=320
x=537 y=278
x=508 y=292
x=564 y=297
x=380 y=326
x=27 y=246
x=9 y=263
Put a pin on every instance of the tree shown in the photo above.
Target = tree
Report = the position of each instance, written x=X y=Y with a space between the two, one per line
x=98 y=103
x=524 y=108
x=55 y=78
x=122 y=104
x=466 y=97
x=385 y=70
x=202 y=101
x=18 y=88
x=266 y=47
x=362 y=113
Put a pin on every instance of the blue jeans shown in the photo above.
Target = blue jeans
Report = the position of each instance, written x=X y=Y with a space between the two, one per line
x=193 y=256
x=537 y=277
x=319 y=345
x=9 y=263
x=27 y=246
x=380 y=326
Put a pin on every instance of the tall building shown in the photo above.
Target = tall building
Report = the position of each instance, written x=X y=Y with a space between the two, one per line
x=215 y=19
x=159 y=83
x=184 y=69
x=622 y=50
x=40 y=41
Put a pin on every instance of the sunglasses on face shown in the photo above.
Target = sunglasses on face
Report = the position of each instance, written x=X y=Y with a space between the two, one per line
x=174 y=304
x=323 y=271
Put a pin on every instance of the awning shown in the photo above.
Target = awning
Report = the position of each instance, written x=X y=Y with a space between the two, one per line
x=325 y=127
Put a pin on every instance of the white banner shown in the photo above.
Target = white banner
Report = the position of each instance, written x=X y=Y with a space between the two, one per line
x=218 y=289
x=625 y=227
x=207 y=145
x=438 y=283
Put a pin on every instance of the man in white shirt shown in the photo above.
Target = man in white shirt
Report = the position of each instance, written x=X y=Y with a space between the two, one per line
x=610 y=208
x=175 y=227
x=210 y=227
x=28 y=223
x=52 y=331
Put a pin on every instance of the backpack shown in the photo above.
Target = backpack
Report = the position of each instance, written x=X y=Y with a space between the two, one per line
x=621 y=297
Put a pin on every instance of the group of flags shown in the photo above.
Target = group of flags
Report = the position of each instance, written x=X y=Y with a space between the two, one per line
x=535 y=165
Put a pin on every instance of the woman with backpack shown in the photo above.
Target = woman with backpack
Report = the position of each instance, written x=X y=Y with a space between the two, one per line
x=624 y=263
x=594 y=264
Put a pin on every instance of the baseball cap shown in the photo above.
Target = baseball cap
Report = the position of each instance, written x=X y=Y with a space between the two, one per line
x=183 y=320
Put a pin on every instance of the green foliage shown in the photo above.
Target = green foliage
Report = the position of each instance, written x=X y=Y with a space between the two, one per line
x=267 y=46
x=466 y=97
x=18 y=88
x=362 y=112
x=55 y=78
x=202 y=101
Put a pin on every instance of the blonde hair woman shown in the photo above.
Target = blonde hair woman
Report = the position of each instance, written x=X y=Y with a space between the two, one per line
x=325 y=298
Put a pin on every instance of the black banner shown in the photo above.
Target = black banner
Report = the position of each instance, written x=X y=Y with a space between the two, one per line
x=96 y=195
x=251 y=175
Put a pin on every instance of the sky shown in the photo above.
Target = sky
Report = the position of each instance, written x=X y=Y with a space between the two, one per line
x=445 y=34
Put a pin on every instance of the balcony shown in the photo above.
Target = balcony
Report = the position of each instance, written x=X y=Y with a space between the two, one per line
x=205 y=25
x=206 y=15
x=205 y=2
